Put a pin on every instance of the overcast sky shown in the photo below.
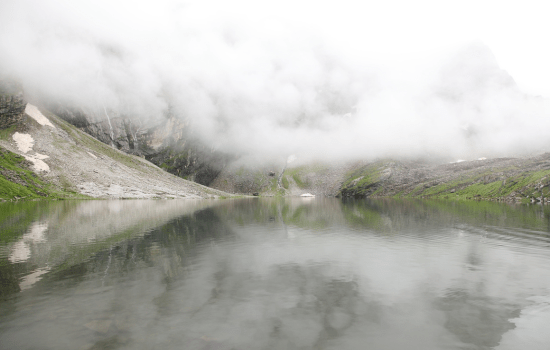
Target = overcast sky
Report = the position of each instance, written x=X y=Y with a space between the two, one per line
x=378 y=78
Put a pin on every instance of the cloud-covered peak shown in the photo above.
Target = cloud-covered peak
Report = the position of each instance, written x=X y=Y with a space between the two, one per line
x=253 y=81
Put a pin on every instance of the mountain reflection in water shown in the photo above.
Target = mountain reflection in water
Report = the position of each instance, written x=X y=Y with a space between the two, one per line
x=274 y=274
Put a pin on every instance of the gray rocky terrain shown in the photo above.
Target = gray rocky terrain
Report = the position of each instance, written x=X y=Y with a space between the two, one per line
x=164 y=140
x=521 y=179
x=72 y=161
x=64 y=154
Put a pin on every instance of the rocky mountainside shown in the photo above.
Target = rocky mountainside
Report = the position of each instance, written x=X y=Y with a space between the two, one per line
x=44 y=156
x=164 y=140
x=57 y=145
x=273 y=179
x=524 y=180
x=41 y=155
x=503 y=179
x=12 y=104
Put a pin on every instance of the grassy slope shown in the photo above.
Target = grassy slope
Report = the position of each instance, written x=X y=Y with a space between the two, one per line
x=526 y=185
x=363 y=181
x=511 y=183
x=17 y=181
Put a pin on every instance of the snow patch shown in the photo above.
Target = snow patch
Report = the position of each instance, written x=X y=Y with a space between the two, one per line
x=24 y=142
x=35 y=114
x=307 y=195
x=38 y=163
x=93 y=155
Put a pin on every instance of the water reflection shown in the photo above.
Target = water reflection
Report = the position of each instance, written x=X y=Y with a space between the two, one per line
x=278 y=274
x=37 y=237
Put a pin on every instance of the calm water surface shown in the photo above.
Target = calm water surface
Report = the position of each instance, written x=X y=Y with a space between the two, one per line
x=274 y=274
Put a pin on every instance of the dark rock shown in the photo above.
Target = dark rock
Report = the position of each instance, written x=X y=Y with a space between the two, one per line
x=109 y=127
x=12 y=176
x=165 y=141
x=12 y=104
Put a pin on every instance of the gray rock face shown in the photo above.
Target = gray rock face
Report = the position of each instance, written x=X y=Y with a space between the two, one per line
x=190 y=159
x=109 y=127
x=166 y=141
x=12 y=104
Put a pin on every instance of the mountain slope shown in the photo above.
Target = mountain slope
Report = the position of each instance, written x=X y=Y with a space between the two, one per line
x=70 y=163
x=500 y=179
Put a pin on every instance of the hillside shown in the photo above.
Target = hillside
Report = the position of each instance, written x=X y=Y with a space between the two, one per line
x=524 y=180
x=46 y=156
x=42 y=156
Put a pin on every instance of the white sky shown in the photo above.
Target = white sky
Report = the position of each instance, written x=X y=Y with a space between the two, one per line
x=516 y=31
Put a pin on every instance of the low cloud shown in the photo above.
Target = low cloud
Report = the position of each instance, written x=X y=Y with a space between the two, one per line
x=274 y=81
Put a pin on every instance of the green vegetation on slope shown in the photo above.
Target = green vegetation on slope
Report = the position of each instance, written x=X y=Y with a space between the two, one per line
x=523 y=180
x=285 y=183
x=296 y=174
x=5 y=134
x=484 y=186
x=362 y=181
x=17 y=181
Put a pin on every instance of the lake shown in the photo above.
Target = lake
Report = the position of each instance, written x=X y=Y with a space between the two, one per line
x=286 y=273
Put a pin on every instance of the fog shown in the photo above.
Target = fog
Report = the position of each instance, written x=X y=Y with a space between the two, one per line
x=333 y=80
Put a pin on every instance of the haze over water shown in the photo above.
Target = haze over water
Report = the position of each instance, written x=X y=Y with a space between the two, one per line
x=274 y=274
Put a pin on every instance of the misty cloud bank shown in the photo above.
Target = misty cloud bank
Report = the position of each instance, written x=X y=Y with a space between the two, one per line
x=251 y=80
